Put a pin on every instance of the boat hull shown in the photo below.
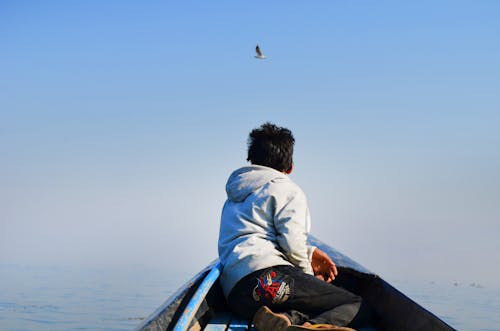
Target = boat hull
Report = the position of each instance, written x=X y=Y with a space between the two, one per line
x=395 y=311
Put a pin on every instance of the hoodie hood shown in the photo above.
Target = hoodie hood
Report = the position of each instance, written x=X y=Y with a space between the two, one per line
x=246 y=180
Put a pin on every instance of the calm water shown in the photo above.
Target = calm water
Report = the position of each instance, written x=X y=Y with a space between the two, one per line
x=466 y=307
x=40 y=298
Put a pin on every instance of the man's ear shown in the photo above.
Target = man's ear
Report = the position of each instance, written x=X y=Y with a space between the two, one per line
x=289 y=171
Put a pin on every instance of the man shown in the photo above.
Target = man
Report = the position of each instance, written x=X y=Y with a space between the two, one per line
x=270 y=273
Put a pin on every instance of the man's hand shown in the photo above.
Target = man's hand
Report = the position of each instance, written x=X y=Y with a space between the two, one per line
x=323 y=266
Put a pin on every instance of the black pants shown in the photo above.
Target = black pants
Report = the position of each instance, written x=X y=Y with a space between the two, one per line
x=302 y=297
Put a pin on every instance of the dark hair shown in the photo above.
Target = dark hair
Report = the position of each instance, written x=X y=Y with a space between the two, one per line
x=271 y=146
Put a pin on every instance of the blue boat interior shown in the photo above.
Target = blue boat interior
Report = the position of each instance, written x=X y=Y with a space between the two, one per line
x=225 y=321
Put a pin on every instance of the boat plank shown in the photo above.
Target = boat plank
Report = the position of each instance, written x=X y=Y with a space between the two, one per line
x=237 y=324
x=219 y=322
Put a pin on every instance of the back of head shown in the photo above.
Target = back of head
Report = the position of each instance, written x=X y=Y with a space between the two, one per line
x=271 y=146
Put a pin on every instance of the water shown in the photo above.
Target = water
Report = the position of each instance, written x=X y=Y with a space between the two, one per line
x=63 y=298
x=465 y=306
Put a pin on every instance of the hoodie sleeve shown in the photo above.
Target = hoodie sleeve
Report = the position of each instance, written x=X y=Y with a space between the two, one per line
x=292 y=222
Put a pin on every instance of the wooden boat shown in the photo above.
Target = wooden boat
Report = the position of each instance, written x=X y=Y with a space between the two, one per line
x=200 y=304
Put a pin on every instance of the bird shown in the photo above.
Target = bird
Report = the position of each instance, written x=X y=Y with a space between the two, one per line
x=259 y=55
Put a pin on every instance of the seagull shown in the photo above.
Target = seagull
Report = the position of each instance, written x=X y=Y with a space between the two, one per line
x=259 y=55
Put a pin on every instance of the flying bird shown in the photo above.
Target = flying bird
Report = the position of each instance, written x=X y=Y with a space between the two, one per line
x=259 y=55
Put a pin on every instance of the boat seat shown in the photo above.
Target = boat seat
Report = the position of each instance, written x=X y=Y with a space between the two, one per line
x=226 y=321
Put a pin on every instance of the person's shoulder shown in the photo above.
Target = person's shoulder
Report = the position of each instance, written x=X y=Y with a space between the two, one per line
x=286 y=185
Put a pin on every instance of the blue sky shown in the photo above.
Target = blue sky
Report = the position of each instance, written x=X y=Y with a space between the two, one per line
x=120 y=122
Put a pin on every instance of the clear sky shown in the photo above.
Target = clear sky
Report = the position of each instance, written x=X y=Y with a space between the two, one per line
x=120 y=122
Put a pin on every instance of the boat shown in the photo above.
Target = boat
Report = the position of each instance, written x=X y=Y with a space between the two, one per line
x=200 y=304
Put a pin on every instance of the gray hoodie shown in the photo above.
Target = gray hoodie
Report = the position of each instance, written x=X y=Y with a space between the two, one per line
x=265 y=222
